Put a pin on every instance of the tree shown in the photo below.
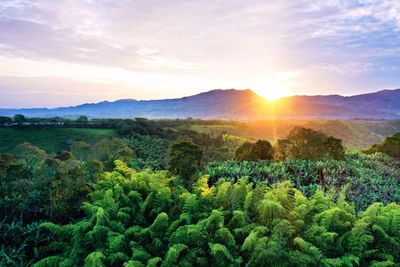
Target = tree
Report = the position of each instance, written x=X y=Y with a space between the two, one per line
x=31 y=156
x=334 y=148
x=4 y=120
x=262 y=149
x=19 y=118
x=281 y=149
x=81 y=150
x=65 y=155
x=184 y=159
x=390 y=146
x=125 y=154
x=82 y=119
x=243 y=153
x=303 y=143
x=109 y=150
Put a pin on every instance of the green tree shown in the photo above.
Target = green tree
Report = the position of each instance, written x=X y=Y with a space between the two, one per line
x=82 y=150
x=82 y=119
x=4 y=120
x=109 y=150
x=304 y=143
x=244 y=152
x=260 y=150
x=263 y=150
x=334 y=148
x=281 y=149
x=184 y=159
x=390 y=146
x=19 y=118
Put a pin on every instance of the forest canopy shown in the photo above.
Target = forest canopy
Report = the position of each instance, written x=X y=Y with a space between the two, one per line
x=158 y=193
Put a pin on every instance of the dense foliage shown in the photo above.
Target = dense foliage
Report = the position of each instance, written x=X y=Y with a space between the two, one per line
x=97 y=200
x=22 y=245
x=389 y=146
x=142 y=219
x=260 y=150
x=35 y=185
x=303 y=143
x=151 y=151
x=184 y=159
x=368 y=178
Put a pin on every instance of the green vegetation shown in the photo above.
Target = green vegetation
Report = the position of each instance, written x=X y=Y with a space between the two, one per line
x=35 y=185
x=260 y=150
x=190 y=193
x=142 y=219
x=184 y=159
x=366 y=178
x=151 y=151
x=303 y=143
x=355 y=134
x=50 y=139
x=390 y=146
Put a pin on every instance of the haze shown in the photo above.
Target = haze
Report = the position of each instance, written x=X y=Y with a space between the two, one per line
x=58 y=53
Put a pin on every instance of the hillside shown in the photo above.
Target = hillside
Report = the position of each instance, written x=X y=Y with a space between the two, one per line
x=356 y=134
x=236 y=104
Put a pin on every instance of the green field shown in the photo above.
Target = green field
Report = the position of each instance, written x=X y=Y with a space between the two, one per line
x=50 y=139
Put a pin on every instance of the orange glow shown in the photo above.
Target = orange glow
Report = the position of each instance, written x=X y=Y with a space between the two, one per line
x=276 y=86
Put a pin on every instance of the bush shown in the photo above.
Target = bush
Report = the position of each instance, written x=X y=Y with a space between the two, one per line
x=370 y=178
x=139 y=219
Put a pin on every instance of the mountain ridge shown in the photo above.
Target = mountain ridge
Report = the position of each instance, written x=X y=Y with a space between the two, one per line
x=234 y=104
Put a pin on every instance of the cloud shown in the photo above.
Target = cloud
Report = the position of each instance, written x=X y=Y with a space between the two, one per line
x=217 y=42
x=353 y=68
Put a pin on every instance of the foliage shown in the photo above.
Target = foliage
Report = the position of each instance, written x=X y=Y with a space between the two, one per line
x=82 y=119
x=142 y=218
x=22 y=245
x=303 y=143
x=243 y=152
x=5 y=120
x=35 y=185
x=184 y=159
x=18 y=118
x=109 y=150
x=356 y=134
x=390 y=146
x=314 y=206
x=260 y=150
x=140 y=126
x=51 y=139
x=151 y=151
x=370 y=178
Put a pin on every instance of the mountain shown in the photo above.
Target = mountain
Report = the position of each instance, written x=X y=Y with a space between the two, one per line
x=235 y=104
x=383 y=104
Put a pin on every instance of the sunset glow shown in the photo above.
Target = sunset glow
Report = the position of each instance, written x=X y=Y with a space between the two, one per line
x=106 y=50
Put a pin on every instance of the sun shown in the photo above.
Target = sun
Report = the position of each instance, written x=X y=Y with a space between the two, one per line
x=269 y=90
x=270 y=94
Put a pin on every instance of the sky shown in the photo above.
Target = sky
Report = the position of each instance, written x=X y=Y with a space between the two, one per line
x=68 y=52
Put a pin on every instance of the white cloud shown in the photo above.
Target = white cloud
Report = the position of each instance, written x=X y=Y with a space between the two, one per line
x=200 y=44
x=352 y=68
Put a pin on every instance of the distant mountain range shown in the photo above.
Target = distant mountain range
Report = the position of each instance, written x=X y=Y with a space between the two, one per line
x=235 y=104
